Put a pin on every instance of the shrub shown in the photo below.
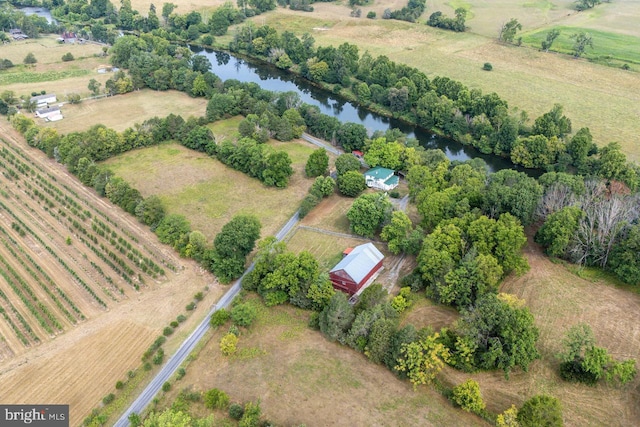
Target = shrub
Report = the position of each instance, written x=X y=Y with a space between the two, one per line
x=147 y=366
x=219 y=318
x=236 y=411
x=487 y=66
x=181 y=318
x=174 y=324
x=181 y=373
x=371 y=15
x=159 y=357
x=119 y=385
x=67 y=57
x=108 y=398
x=467 y=396
x=166 y=386
x=228 y=344
x=30 y=59
x=243 y=314
x=394 y=194
x=190 y=306
x=216 y=399
x=625 y=67
x=541 y=410
x=167 y=331
x=199 y=296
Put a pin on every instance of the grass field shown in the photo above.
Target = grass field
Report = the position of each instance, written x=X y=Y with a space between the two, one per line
x=301 y=378
x=605 y=99
x=123 y=111
x=208 y=193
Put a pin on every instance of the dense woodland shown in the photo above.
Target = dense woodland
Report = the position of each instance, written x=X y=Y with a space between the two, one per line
x=471 y=227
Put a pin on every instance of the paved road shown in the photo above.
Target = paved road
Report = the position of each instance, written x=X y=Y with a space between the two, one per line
x=190 y=343
x=321 y=143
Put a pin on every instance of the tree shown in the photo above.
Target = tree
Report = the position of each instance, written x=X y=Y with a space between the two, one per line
x=508 y=30
x=552 y=123
x=168 y=418
x=400 y=234
x=351 y=183
x=94 y=86
x=228 y=344
x=243 y=314
x=351 y=136
x=347 y=162
x=317 y=164
x=509 y=418
x=625 y=257
x=336 y=318
x=150 y=211
x=216 y=399
x=369 y=213
x=422 y=360
x=322 y=187
x=277 y=169
x=231 y=246
x=167 y=9
x=579 y=147
x=558 y=230
x=551 y=37
x=30 y=59
x=467 y=396
x=541 y=411
x=587 y=4
x=172 y=229
x=582 y=41
x=513 y=192
x=504 y=334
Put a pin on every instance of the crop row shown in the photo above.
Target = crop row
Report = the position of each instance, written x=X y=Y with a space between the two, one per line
x=57 y=257
x=47 y=278
x=35 y=306
x=23 y=322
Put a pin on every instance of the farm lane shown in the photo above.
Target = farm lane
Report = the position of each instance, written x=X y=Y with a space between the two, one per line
x=321 y=143
x=143 y=400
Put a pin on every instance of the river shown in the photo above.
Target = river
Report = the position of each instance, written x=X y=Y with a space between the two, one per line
x=226 y=66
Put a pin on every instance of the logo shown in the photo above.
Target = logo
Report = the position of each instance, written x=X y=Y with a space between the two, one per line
x=34 y=415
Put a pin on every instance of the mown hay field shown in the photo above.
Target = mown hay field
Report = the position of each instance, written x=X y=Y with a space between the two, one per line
x=209 y=193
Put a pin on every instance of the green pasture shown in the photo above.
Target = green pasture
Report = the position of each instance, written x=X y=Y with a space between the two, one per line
x=608 y=47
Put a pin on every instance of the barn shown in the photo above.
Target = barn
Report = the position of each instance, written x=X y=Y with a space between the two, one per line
x=356 y=269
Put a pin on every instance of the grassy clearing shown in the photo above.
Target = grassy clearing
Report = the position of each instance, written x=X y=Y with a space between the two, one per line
x=608 y=48
x=330 y=214
x=327 y=249
x=602 y=98
x=123 y=111
x=301 y=378
x=208 y=193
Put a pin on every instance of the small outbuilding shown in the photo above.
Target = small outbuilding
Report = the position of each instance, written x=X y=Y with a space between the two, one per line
x=48 y=112
x=44 y=100
x=381 y=178
x=358 y=268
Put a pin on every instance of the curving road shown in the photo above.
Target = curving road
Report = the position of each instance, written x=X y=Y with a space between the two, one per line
x=189 y=344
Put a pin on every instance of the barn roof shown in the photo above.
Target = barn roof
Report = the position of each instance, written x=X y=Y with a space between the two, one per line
x=360 y=261
x=42 y=97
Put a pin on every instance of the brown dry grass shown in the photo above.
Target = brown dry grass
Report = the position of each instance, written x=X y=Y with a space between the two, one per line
x=123 y=111
x=82 y=365
x=301 y=378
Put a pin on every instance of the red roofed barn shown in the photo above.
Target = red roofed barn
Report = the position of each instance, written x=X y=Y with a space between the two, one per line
x=356 y=268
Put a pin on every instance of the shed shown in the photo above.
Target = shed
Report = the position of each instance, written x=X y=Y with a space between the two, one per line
x=356 y=269
x=47 y=112
x=381 y=178
x=44 y=100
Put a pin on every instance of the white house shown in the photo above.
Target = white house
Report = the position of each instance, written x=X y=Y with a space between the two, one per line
x=47 y=112
x=381 y=178
x=44 y=100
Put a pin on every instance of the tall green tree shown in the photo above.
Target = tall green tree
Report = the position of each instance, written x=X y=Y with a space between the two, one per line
x=551 y=37
x=317 y=164
x=369 y=213
x=541 y=411
x=336 y=318
x=583 y=40
x=232 y=244
x=508 y=30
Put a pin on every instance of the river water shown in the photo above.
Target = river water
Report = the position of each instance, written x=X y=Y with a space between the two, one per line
x=226 y=66
x=38 y=11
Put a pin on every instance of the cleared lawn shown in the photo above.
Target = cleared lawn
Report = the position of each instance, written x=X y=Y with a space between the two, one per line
x=605 y=99
x=303 y=379
x=207 y=192
x=123 y=111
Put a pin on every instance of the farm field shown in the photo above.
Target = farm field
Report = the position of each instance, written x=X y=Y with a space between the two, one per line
x=301 y=378
x=209 y=193
x=80 y=280
x=123 y=111
x=602 y=98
